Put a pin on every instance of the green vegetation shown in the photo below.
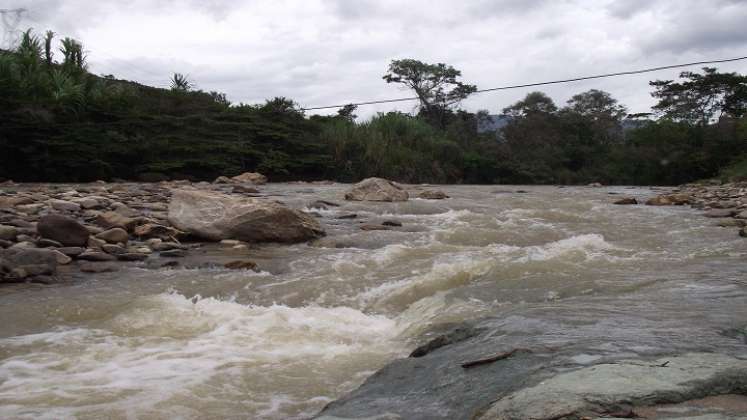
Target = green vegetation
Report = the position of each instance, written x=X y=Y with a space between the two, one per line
x=58 y=122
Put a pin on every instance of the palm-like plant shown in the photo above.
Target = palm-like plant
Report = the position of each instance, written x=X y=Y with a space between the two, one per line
x=180 y=82
x=48 y=47
x=65 y=90
x=74 y=59
x=32 y=78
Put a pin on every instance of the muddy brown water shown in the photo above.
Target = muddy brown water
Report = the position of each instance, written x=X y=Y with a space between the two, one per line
x=322 y=317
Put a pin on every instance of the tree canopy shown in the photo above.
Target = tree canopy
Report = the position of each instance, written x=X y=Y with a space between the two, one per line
x=436 y=85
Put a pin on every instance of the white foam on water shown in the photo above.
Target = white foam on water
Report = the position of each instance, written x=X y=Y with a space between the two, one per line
x=459 y=268
x=581 y=246
x=162 y=348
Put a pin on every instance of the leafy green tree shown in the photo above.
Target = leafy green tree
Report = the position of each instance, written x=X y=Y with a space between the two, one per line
x=347 y=112
x=534 y=103
x=597 y=105
x=436 y=85
x=701 y=98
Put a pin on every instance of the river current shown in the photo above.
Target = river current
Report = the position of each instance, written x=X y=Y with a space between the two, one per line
x=319 y=318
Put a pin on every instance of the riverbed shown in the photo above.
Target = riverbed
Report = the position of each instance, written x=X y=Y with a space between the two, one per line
x=557 y=266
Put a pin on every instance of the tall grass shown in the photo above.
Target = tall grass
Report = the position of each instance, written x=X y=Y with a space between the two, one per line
x=392 y=145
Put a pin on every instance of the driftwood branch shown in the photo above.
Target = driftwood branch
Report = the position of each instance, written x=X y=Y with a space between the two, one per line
x=494 y=358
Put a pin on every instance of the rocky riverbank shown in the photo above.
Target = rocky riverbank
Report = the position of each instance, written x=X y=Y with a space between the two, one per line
x=52 y=233
x=727 y=203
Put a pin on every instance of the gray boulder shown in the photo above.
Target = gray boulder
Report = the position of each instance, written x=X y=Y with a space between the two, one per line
x=376 y=189
x=214 y=216
x=62 y=229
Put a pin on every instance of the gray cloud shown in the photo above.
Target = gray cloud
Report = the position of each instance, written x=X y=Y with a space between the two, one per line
x=322 y=52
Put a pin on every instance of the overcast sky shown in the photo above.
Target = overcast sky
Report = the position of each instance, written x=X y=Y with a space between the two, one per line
x=323 y=52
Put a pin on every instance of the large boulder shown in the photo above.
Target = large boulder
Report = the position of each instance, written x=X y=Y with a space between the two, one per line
x=62 y=229
x=376 y=189
x=214 y=216
x=250 y=178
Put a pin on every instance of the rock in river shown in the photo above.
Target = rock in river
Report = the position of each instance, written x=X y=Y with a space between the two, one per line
x=215 y=216
x=62 y=229
x=250 y=178
x=626 y=201
x=376 y=189
x=21 y=263
x=433 y=195
x=670 y=200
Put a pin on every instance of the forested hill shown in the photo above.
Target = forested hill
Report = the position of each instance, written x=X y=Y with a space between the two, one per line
x=58 y=122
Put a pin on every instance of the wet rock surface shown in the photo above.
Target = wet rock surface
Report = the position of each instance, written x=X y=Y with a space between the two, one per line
x=215 y=216
x=376 y=189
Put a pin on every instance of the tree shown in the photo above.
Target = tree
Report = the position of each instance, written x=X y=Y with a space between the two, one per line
x=435 y=85
x=533 y=103
x=594 y=118
x=597 y=105
x=347 y=112
x=701 y=98
x=179 y=82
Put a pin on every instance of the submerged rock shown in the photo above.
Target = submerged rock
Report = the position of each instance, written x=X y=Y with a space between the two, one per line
x=433 y=195
x=376 y=189
x=678 y=199
x=719 y=213
x=241 y=265
x=626 y=201
x=215 y=216
x=62 y=229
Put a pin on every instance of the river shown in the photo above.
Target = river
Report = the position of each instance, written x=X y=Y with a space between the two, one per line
x=319 y=318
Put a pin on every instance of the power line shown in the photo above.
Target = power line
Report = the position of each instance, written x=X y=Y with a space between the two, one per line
x=554 y=82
